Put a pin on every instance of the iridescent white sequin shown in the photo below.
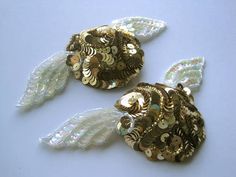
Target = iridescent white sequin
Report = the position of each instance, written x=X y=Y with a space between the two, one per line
x=143 y=28
x=187 y=72
x=48 y=79
x=91 y=128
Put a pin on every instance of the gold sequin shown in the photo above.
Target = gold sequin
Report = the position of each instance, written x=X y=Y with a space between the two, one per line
x=164 y=136
x=163 y=124
x=86 y=73
x=170 y=119
x=107 y=49
x=160 y=156
x=148 y=152
x=85 y=80
x=124 y=125
x=74 y=59
x=131 y=46
x=133 y=51
x=195 y=127
x=93 y=81
x=121 y=65
x=114 y=50
x=129 y=99
x=176 y=143
x=76 y=67
x=77 y=74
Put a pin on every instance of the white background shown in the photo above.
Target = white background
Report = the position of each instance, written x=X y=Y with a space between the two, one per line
x=32 y=30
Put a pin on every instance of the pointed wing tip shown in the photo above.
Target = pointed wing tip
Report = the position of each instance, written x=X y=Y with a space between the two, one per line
x=46 y=141
x=43 y=140
x=21 y=106
x=201 y=59
x=162 y=24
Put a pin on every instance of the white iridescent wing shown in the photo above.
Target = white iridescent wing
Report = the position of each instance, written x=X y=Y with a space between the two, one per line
x=143 y=28
x=47 y=80
x=91 y=128
x=187 y=72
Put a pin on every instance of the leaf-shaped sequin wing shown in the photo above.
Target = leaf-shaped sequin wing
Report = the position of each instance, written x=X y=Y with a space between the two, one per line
x=143 y=28
x=91 y=128
x=187 y=72
x=48 y=79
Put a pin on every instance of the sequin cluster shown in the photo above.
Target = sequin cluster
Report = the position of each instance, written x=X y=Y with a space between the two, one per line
x=166 y=125
x=105 y=57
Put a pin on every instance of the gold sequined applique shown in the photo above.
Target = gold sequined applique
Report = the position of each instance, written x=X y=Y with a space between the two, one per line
x=167 y=125
x=105 y=57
